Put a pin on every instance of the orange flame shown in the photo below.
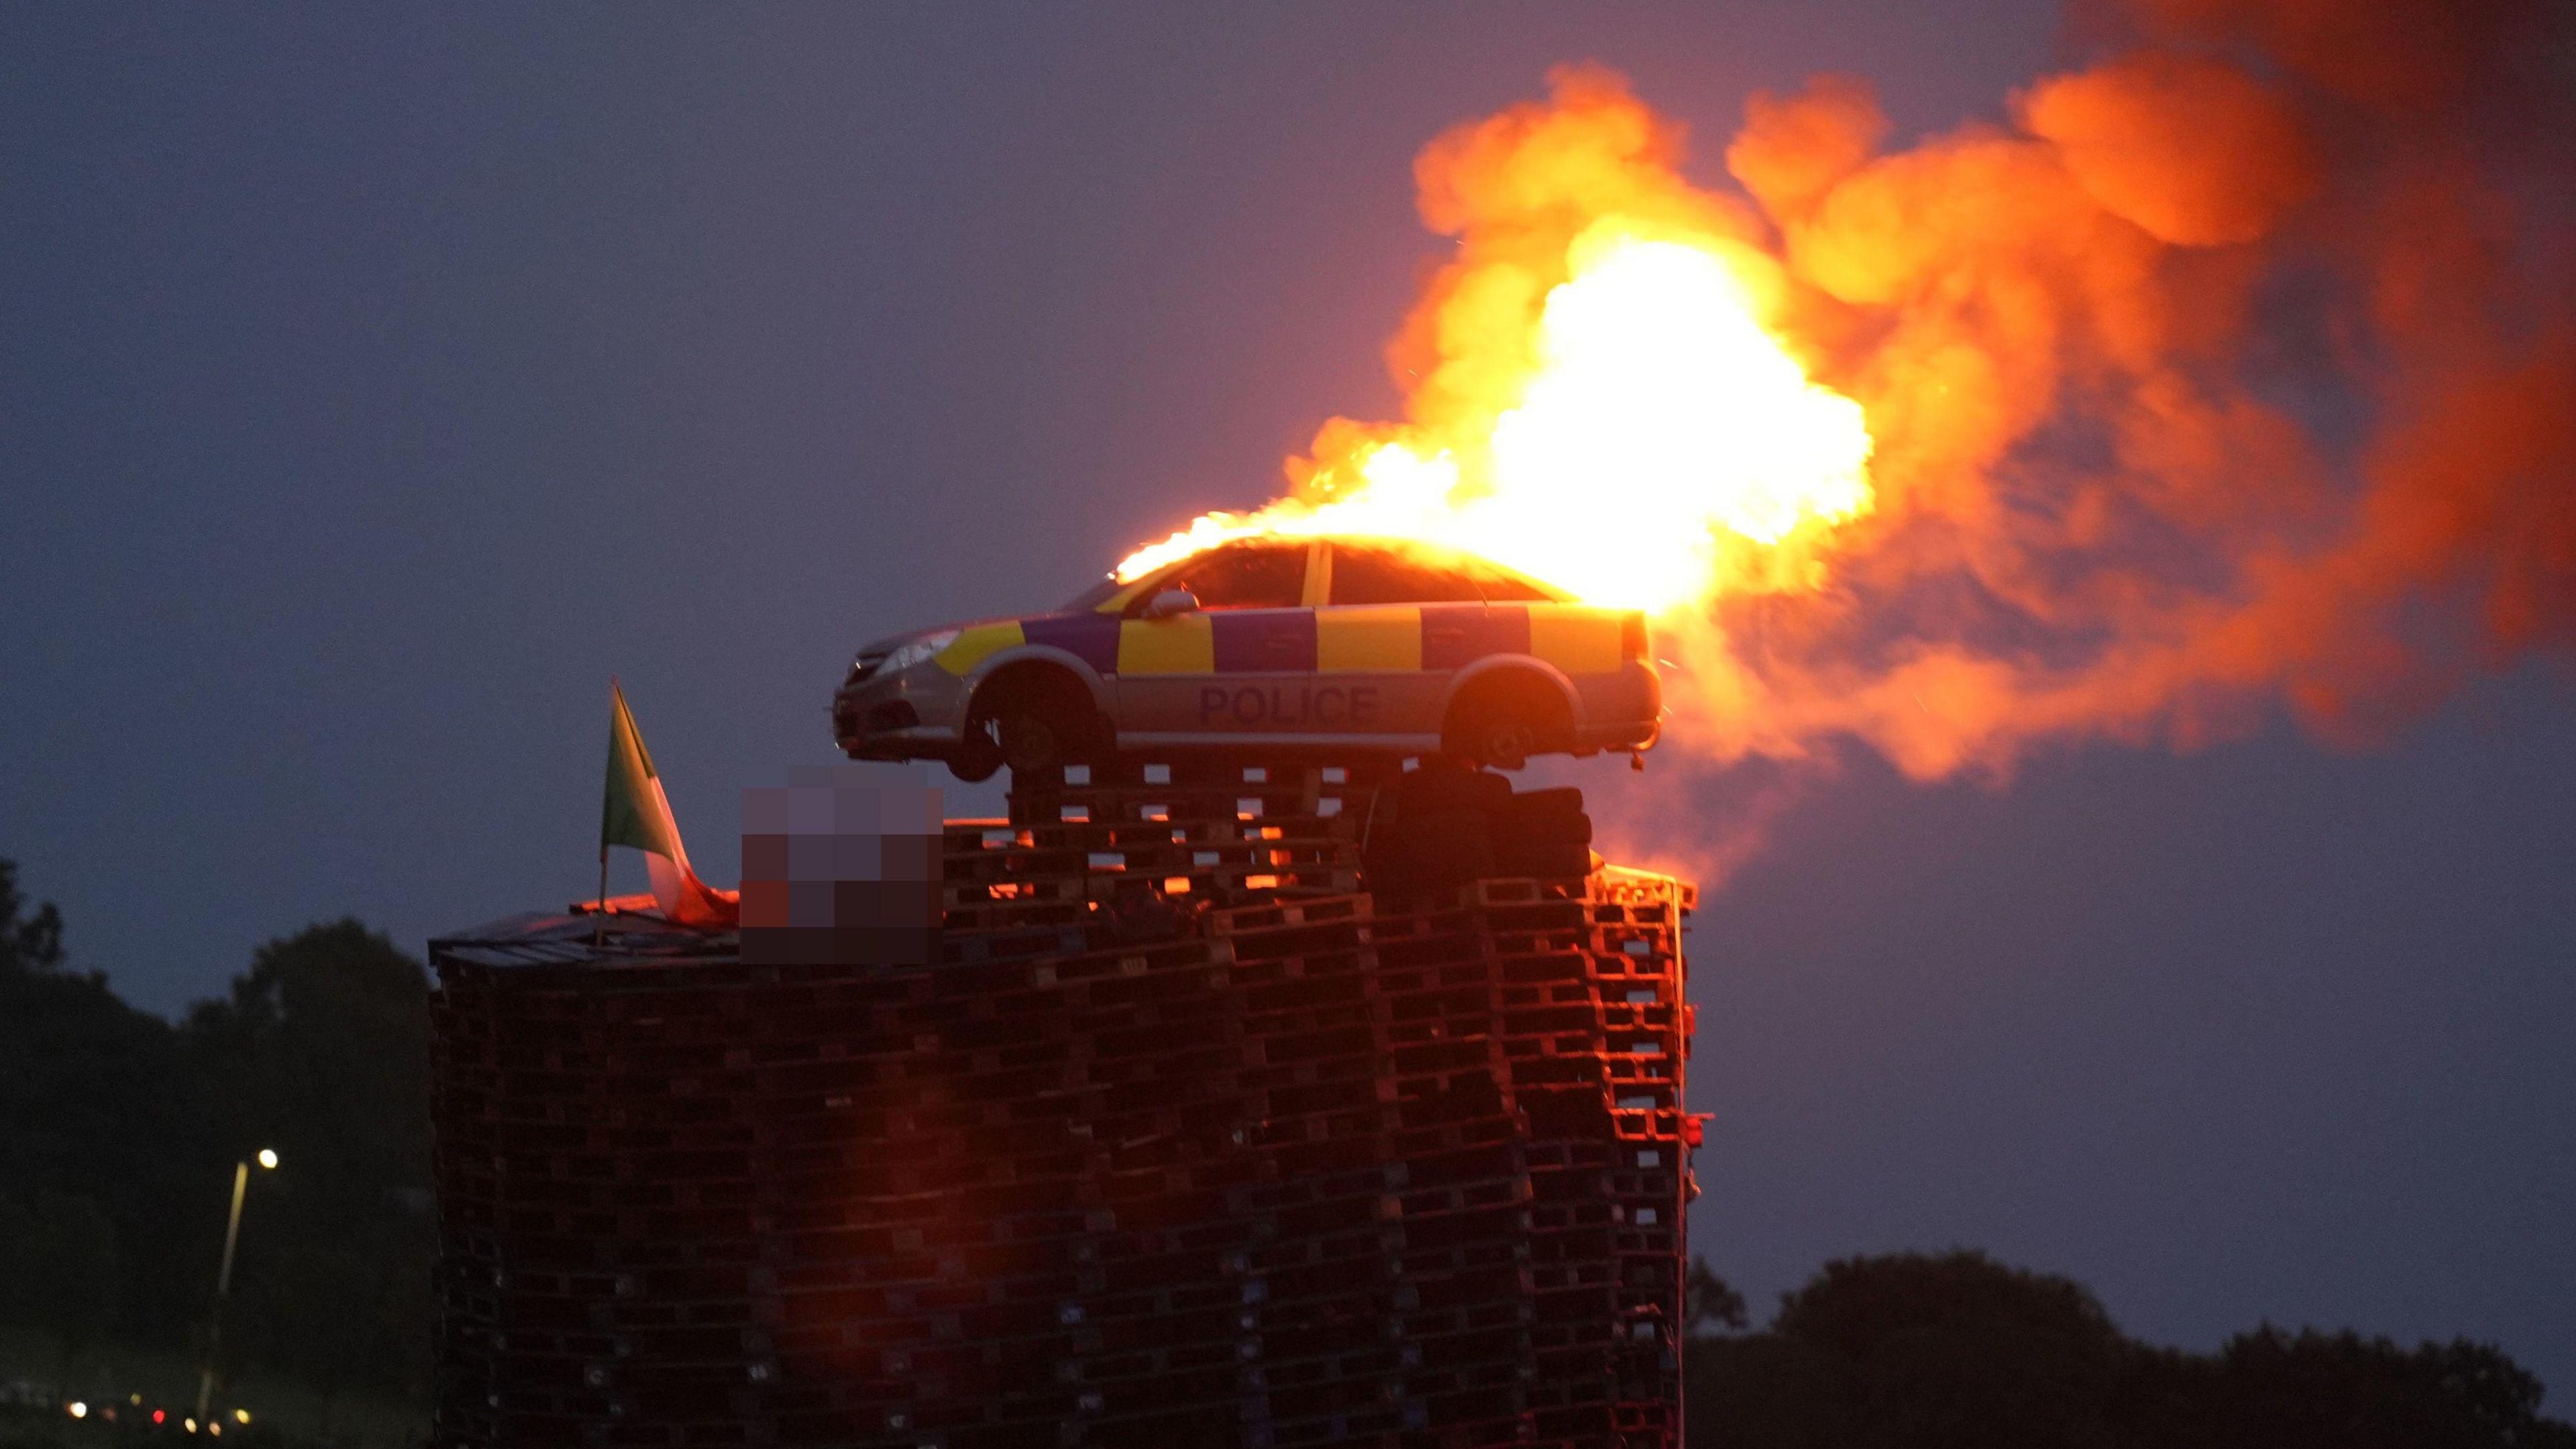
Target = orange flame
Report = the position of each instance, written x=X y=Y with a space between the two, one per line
x=1607 y=408
x=2014 y=434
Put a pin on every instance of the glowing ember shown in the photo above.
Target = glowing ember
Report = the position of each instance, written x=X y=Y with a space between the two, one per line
x=1654 y=427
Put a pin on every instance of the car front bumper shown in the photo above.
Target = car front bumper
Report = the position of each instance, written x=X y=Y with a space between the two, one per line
x=909 y=714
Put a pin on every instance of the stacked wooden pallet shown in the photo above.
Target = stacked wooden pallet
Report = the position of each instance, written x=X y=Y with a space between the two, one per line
x=1259 y=1165
x=1198 y=834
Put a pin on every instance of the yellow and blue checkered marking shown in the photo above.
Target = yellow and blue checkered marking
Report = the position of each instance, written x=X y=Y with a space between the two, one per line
x=1371 y=638
x=1379 y=638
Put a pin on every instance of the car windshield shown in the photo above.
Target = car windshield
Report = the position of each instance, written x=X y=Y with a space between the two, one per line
x=1095 y=596
x=1387 y=572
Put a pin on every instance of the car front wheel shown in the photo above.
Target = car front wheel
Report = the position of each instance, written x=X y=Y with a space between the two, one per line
x=1037 y=722
x=1032 y=741
x=979 y=759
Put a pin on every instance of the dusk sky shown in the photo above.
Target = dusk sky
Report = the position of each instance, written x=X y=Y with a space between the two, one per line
x=380 y=381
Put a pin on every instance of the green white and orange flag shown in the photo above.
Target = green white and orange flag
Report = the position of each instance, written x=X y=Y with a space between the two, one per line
x=635 y=812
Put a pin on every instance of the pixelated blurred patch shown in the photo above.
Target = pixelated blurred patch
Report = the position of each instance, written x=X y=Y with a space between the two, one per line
x=840 y=870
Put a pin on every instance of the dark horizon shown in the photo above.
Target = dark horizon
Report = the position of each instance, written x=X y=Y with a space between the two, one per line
x=383 y=381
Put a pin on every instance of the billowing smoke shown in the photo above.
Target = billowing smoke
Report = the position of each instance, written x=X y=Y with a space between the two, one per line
x=2239 y=371
x=2234 y=374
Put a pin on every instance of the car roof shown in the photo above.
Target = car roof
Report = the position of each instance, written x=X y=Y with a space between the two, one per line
x=1442 y=550
x=1396 y=542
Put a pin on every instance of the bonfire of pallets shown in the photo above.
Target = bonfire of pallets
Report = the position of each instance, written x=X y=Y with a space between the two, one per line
x=1187 y=1140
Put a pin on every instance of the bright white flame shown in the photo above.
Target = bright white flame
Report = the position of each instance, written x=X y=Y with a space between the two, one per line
x=1662 y=418
x=1660 y=422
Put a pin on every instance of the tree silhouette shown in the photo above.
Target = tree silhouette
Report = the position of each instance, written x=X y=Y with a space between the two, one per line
x=1947 y=1351
x=321 y=1050
x=2312 y=1390
x=100 y=1103
x=29 y=944
x=1709 y=1299
x=118 y=1134
x=58 y=1270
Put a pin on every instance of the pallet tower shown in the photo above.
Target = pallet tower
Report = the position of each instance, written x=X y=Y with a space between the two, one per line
x=1186 y=1140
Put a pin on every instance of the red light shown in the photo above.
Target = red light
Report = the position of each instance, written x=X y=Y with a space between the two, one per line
x=158 y=1416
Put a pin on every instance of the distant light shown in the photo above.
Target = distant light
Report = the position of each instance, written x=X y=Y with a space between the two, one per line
x=134 y=1399
x=189 y=1424
x=215 y=1428
x=159 y=1414
x=268 y=1157
x=78 y=1409
x=241 y=1416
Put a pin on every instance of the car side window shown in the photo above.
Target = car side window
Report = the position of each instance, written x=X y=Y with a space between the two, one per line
x=1246 y=576
x=1384 y=576
x=1499 y=587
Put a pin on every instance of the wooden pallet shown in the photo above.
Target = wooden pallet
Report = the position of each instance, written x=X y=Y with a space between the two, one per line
x=1223 y=837
x=1326 y=910
x=1628 y=886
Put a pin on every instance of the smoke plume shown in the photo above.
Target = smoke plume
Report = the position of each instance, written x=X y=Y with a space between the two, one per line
x=2235 y=373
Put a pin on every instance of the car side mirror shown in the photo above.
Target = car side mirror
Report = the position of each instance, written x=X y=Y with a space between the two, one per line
x=1170 y=602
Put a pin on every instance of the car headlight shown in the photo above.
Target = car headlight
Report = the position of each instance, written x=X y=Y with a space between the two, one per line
x=918 y=651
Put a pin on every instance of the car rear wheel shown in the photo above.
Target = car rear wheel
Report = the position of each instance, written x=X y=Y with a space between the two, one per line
x=1503 y=719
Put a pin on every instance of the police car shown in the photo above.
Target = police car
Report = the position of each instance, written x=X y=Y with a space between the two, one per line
x=1339 y=645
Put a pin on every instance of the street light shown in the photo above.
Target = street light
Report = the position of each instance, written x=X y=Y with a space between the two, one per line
x=224 y=1281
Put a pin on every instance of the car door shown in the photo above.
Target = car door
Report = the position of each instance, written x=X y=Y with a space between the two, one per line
x=1236 y=665
x=1396 y=626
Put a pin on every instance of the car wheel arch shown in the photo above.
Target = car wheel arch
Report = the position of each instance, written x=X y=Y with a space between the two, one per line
x=1033 y=660
x=1040 y=672
x=1496 y=670
x=1506 y=691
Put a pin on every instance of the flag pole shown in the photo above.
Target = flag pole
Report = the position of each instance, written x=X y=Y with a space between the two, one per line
x=599 y=917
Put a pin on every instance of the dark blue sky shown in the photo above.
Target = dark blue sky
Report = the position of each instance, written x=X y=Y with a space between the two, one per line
x=377 y=381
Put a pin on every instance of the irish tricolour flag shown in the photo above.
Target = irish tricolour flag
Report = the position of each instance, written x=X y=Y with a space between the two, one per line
x=637 y=813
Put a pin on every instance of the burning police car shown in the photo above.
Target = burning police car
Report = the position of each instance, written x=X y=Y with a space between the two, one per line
x=1344 y=644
